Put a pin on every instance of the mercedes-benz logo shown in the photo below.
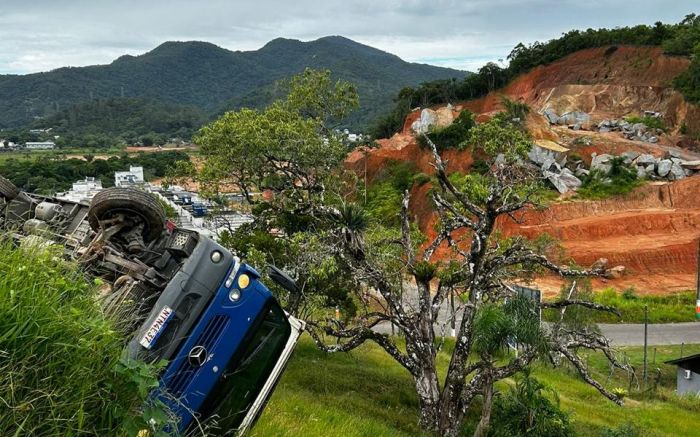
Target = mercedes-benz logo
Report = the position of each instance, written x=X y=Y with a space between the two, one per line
x=197 y=356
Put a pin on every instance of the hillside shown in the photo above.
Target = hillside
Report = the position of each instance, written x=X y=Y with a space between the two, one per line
x=213 y=79
x=340 y=397
x=654 y=230
x=126 y=117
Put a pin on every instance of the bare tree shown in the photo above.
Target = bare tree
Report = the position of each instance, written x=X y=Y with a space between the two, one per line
x=490 y=313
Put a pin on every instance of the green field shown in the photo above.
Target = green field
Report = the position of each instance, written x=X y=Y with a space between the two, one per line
x=671 y=308
x=365 y=393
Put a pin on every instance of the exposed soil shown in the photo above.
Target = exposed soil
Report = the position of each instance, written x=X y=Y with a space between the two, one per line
x=654 y=231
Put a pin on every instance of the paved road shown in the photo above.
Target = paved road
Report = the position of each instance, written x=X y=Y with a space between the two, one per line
x=633 y=334
x=659 y=334
x=619 y=334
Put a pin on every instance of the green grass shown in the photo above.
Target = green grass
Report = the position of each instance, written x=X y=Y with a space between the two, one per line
x=620 y=180
x=673 y=308
x=365 y=393
x=61 y=371
x=651 y=122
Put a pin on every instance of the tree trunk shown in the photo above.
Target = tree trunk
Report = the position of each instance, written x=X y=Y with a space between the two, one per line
x=485 y=421
x=428 y=390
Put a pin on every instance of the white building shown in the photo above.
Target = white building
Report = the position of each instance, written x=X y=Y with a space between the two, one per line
x=82 y=191
x=42 y=145
x=128 y=178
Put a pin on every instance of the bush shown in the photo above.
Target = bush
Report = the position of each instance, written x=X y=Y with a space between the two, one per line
x=385 y=193
x=629 y=294
x=452 y=136
x=60 y=358
x=625 y=430
x=651 y=122
x=525 y=410
x=620 y=180
x=619 y=392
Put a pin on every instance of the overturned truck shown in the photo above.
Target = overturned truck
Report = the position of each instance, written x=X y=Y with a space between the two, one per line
x=187 y=299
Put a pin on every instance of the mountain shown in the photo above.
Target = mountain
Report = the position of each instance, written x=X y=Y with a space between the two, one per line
x=213 y=79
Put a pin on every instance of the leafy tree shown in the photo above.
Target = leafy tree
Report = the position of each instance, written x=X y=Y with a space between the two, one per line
x=482 y=267
x=289 y=152
x=330 y=242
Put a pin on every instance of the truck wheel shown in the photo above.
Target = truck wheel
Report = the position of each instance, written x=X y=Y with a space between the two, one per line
x=8 y=189
x=130 y=202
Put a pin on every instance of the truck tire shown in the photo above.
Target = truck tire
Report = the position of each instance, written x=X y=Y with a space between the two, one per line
x=129 y=201
x=8 y=189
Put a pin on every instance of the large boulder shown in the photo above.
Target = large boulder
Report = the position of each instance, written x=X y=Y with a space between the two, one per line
x=568 y=178
x=614 y=272
x=663 y=167
x=676 y=172
x=630 y=156
x=641 y=172
x=550 y=115
x=574 y=117
x=691 y=165
x=601 y=163
x=538 y=155
x=556 y=181
x=551 y=165
x=428 y=117
x=645 y=159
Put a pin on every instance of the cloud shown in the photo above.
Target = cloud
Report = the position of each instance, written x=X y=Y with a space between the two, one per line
x=39 y=35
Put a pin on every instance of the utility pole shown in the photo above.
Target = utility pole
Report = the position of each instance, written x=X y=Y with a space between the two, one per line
x=646 y=322
x=697 y=286
x=454 y=315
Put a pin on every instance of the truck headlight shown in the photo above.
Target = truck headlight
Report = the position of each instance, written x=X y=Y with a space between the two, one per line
x=234 y=295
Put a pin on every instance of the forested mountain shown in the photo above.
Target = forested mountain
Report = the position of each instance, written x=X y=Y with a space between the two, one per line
x=102 y=122
x=213 y=79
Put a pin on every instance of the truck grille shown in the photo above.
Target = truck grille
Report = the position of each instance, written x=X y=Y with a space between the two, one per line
x=207 y=339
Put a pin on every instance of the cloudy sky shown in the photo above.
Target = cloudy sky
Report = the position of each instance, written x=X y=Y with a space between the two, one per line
x=40 y=35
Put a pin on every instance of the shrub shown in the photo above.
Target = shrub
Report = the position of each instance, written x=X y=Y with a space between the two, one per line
x=624 y=430
x=651 y=122
x=385 y=193
x=452 y=136
x=629 y=293
x=619 y=392
x=525 y=410
x=515 y=110
x=60 y=358
x=621 y=179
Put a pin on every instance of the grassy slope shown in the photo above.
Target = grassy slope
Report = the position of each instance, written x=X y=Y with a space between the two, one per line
x=365 y=393
x=672 y=308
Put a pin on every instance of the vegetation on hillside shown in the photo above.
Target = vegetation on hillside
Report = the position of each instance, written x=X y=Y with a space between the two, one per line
x=213 y=79
x=621 y=179
x=344 y=390
x=676 y=39
x=326 y=235
x=117 y=120
x=48 y=175
x=61 y=365
x=671 y=308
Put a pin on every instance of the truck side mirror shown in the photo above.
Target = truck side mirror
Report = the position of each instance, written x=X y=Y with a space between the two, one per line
x=282 y=279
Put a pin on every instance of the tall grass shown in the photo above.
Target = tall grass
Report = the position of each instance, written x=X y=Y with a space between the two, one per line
x=366 y=393
x=672 y=308
x=61 y=371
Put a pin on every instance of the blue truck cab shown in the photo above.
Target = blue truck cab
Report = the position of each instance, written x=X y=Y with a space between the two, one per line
x=226 y=339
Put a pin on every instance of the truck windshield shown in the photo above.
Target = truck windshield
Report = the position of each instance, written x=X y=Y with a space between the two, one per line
x=248 y=370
